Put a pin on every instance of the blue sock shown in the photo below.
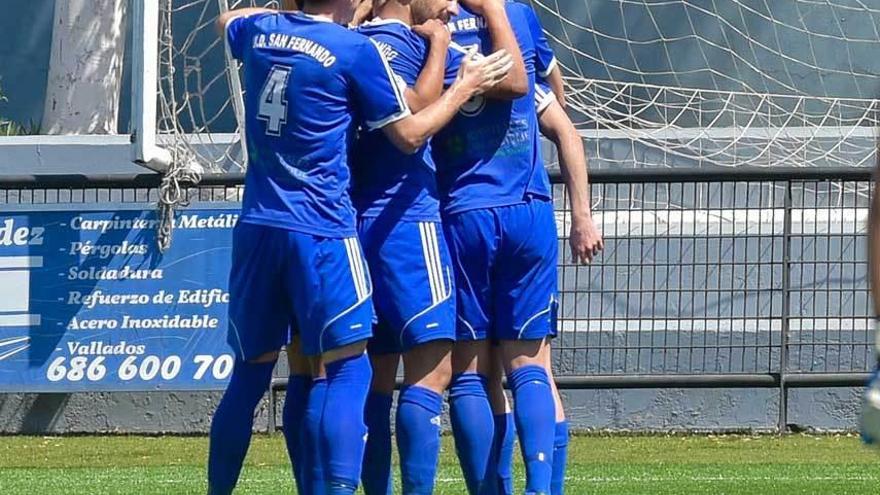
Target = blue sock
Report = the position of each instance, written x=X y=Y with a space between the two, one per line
x=293 y=417
x=233 y=424
x=312 y=469
x=418 y=438
x=472 y=428
x=502 y=446
x=535 y=413
x=560 y=456
x=343 y=430
x=376 y=468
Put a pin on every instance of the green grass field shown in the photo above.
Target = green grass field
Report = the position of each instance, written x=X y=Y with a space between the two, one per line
x=677 y=465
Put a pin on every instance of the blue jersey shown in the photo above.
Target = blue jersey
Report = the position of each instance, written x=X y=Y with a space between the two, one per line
x=308 y=84
x=384 y=178
x=544 y=96
x=489 y=155
x=545 y=60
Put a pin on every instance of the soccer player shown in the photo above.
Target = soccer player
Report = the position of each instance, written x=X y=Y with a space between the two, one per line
x=584 y=239
x=499 y=221
x=585 y=242
x=870 y=419
x=396 y=196
x=296 y=261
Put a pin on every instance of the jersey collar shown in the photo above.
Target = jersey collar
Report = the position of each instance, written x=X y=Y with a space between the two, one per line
x=378 y=21
x=318 y=18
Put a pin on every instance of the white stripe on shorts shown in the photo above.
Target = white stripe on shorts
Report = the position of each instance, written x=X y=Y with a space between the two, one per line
x=352 y=265
x=427 y=245
x=437 y=259
x=361 y=264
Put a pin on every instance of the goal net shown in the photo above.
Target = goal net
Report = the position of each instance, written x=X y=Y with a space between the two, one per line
x=651 y=83
x=720 y=83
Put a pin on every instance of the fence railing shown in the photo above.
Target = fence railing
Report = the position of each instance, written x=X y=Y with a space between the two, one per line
x=711 y=278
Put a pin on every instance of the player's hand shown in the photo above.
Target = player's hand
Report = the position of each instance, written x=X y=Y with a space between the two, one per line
x=479 y=74
x=480 y=7
x=362 y=13
x=585 y=240
x=435 y=32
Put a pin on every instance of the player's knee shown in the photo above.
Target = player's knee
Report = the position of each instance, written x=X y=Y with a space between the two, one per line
x=429 y=365
x=472 y=357
x=519 y=353
x=437 y=379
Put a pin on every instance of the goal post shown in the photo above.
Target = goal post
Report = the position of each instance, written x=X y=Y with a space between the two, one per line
x=187 y=107
x=145 y=85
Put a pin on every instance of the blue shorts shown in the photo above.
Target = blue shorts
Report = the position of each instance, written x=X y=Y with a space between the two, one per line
x=412 y=277
x=505 y=271
x=284 y=283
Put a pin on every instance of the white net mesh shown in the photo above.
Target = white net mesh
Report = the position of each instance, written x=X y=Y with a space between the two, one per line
x=720 y=82
x=199 y=101
x=652 y=83
x=198 y=118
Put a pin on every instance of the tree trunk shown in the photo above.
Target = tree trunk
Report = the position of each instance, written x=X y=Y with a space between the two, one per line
x=85 y=68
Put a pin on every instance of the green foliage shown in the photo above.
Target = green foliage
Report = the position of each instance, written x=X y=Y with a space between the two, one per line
x=11 y=128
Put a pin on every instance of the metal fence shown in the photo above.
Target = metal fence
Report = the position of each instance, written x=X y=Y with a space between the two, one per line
x=710 y=278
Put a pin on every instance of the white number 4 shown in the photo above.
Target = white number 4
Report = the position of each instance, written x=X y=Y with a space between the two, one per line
x=273 y=100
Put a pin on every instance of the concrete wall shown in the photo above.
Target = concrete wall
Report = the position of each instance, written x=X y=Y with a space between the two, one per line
x=608 y=410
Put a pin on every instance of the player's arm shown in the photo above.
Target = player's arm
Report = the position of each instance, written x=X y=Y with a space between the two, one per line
x=225 y=17
x=429 y=85
x=554 y=80
x=362 y=13
x=475 y=77
x=546 y=66
x=585 y=240
x=516 y=84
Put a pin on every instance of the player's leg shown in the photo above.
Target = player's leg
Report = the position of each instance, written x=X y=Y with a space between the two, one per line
x=233 y=421
x=417 y=267
x=258 y=328
x=527 y=294
x=560 y=442
x=331 y=294
x=384 y=351
x=343 y=431
x=293 y=413
x=505 y=430
x=427 y=372
x=534 y=411
x=376 y=470
x=472 y=237
x=313 y=470
x=471 y=413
